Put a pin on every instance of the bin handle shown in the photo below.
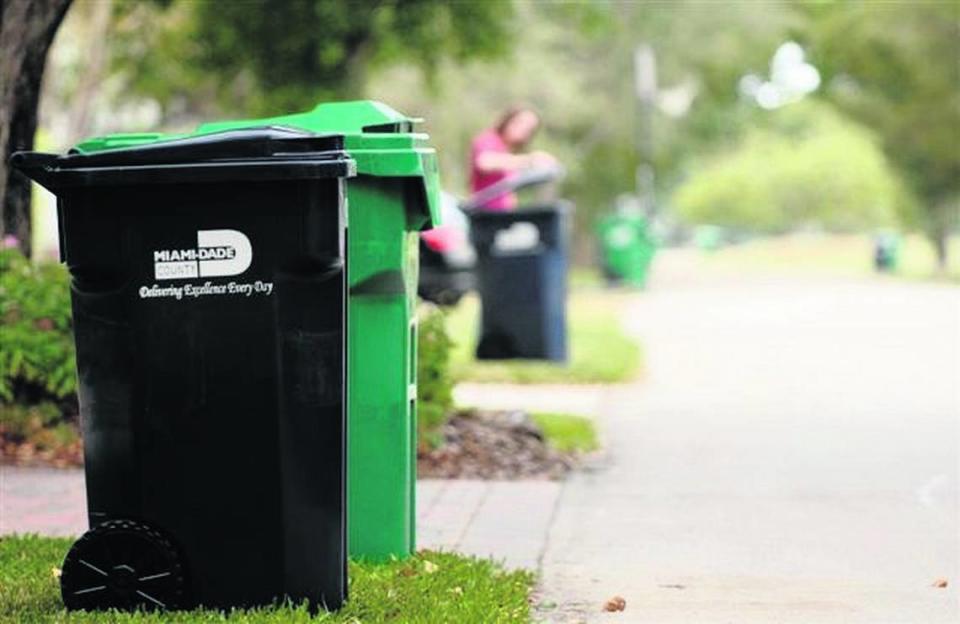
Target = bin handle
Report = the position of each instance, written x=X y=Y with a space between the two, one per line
x=515 y=182
x=37 y=166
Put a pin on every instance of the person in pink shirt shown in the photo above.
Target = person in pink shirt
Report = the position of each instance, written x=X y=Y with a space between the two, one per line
x=498 y=152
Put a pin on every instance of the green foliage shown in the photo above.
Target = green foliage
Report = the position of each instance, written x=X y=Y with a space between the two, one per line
x=806 y=165
x=40 y=424
x=37 y=361
x=434 y=382
x=574 y=63
x=894 y=67
x=275 y=56
x=568 y=432
x=430 y=587
x=23 y=420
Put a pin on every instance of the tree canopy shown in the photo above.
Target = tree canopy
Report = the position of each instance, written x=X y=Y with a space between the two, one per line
x=894 y=67
x=270 y=56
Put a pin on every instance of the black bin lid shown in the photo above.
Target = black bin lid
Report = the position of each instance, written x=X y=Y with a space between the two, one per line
x=249 y=154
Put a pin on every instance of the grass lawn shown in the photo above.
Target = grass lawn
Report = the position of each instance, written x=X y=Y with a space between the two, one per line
x=431 y=587
x=567 y=432
x=850 y=255
x=600 y=351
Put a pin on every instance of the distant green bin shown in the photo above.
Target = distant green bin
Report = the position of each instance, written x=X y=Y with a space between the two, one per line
x=394 y=196
x=627 y=249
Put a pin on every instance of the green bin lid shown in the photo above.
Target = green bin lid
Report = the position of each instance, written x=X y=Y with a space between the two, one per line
x=378 y=138
x=121 y=140
x=270 y=153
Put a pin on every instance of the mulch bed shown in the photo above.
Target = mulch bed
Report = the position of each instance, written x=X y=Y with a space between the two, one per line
x=490 y=445
x=28 y=454
x=500 y=446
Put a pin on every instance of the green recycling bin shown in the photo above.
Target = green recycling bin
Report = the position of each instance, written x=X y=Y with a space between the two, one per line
x=886 y=252
x=394 y=196
x=627 y=249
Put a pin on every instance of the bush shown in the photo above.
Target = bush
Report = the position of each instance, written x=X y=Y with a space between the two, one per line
x=37 y=362
x=42 y=425
x=434 y=382
x=806 y=166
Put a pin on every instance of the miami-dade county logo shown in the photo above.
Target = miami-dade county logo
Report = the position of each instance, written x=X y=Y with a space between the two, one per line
x=218 y=253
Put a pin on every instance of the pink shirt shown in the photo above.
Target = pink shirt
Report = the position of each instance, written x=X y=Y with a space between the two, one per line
x=489 y=141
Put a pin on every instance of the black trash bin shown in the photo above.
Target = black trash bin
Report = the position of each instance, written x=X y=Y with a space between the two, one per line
x=522 y=282
x=208 y=303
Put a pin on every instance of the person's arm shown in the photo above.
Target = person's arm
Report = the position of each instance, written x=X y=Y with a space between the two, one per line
x=489 y=161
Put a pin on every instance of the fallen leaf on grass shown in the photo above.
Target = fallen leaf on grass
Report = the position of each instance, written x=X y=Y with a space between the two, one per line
x=56 y=572
x=430 y=567
x=940 y=583
x=617 y=603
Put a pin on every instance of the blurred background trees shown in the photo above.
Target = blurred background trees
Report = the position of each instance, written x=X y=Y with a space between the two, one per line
x=279 y=55
x=895 y=68
x=854 y=126
x=805 y=166
x=26 y=32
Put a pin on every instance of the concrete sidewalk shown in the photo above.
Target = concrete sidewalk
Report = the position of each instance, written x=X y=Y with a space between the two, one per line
x=791 y=456
x=47 y=501
x=504 y=520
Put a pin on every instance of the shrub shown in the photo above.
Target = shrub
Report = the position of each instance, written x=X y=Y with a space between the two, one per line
x=37 y=362
x=806 y=166
x=42 y=425
x=434 y=382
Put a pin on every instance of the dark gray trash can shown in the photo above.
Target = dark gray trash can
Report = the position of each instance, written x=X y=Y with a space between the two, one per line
x=522 y=282
x=208 y=303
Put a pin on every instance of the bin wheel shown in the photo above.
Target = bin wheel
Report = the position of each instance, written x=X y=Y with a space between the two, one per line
x=124 y=565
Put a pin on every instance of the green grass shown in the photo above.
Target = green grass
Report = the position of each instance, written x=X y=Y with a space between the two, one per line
x=568 y=432
x=848 y=255
x=600 y=351
x=450 y=588
x=585 y=277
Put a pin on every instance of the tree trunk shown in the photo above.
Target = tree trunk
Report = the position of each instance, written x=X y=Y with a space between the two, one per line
x=944 y=216
x=27 y=28
x=941 y=241
x=80 y=113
